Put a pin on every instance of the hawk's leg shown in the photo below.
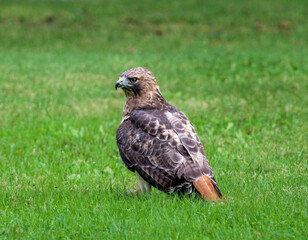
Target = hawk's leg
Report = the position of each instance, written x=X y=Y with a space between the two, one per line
x=143 y=187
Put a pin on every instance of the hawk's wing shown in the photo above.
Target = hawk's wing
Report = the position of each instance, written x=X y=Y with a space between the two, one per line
x=163 y=147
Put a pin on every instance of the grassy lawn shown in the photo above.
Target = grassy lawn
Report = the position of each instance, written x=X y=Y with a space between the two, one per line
x=238 y=69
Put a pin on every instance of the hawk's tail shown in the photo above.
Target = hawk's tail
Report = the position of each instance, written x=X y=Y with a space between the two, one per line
x=208 y=188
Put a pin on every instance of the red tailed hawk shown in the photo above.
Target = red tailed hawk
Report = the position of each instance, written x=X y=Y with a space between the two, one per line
x=158 y=141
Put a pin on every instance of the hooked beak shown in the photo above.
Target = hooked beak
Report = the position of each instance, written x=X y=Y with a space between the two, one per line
x=117 y=85
x=122 y=83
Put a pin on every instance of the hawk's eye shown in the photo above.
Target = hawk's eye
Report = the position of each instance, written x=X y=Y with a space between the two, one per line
x=133 y=79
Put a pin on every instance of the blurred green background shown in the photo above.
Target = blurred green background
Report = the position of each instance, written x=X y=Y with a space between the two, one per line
x=238 y=69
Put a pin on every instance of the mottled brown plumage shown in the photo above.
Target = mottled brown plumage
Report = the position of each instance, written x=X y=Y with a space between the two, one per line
x=158 y=141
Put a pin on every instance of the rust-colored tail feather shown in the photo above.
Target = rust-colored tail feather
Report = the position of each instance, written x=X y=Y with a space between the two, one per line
x=207 y=189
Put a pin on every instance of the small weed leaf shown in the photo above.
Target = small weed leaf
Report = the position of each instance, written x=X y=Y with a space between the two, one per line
x=74 y=177
x=101 y=129
x=108 y=171
x=229 y=126
x=76 y=133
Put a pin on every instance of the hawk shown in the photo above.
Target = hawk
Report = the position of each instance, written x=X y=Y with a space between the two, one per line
x=158 y=141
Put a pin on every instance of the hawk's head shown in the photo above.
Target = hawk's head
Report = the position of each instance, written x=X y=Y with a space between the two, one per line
x=137 y=81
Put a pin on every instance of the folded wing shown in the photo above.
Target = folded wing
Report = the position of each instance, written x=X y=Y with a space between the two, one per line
x=163 y=147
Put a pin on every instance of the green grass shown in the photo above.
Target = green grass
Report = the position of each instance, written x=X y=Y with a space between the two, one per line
x=238 y=69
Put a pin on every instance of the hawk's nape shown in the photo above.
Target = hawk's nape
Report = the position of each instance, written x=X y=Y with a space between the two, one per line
x=158 y=141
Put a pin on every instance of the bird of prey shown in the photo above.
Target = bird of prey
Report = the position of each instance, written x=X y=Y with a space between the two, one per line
x=158 y=141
